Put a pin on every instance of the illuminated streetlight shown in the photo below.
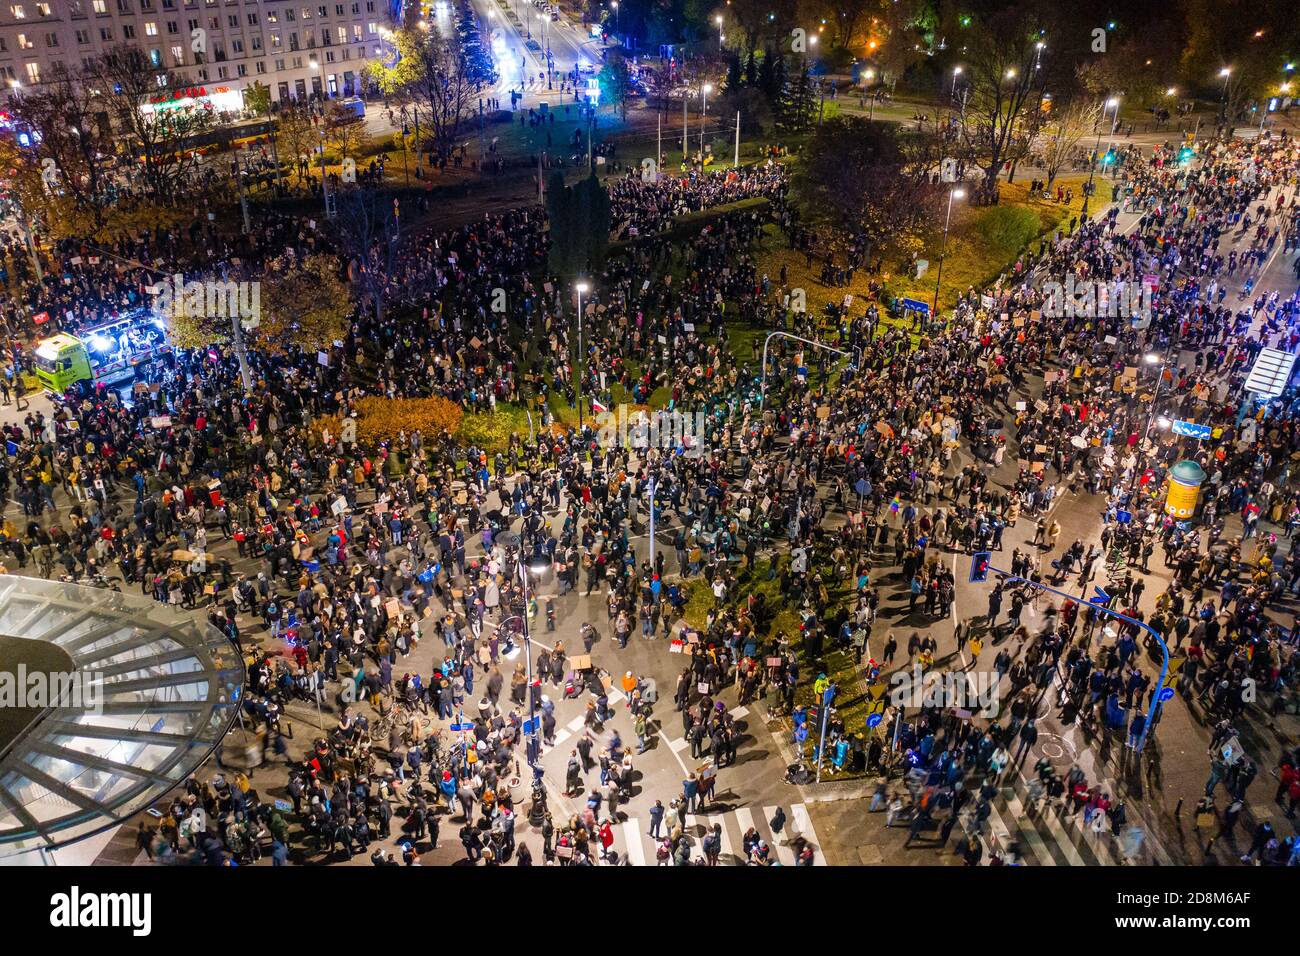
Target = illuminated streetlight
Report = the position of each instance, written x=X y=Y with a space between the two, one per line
x=582 y=288
x=957 y=193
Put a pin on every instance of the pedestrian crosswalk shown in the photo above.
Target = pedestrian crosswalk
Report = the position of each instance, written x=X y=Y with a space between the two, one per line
x=633 y=843
x=574 y=727
x=1053 y=836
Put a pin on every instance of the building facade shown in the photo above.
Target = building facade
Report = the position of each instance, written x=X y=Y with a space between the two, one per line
x=297 y=48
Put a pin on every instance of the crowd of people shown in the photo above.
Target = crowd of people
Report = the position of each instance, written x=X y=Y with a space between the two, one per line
x=347 y=557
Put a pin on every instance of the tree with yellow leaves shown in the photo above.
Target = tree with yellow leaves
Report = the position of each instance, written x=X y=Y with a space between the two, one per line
x=305 y=303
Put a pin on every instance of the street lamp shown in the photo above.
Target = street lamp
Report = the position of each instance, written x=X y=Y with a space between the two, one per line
x=956 y=72
x=705 y=90
x=870 y=75
x=1151 y=358
x=938 y=278
x=718 y=21
x=535 y=563
x=1092 y=167
x=1112 y=103
x=614 y=4
x=582 y=287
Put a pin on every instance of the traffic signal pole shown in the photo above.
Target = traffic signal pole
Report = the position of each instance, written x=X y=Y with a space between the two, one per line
x=1153 y=706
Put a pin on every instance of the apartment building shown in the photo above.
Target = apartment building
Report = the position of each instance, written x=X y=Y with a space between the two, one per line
x=297 y=48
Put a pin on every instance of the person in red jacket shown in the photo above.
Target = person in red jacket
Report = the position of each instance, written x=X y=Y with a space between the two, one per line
x=1288 y=785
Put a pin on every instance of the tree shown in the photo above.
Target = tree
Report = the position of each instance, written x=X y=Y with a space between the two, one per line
x=257 y=98
x=1003 y=82
x=345 y=130
x=899 y=21
x=369 y=238
x=846 y=19
x=798 y=107
x=1067 y=125
x=579 y=219
x=615 y=81
x=856 y=178
x=65 y=110
x=297 y=136
x=434 y=71
x=141 y=110
x=761 y=23
x=305 y=304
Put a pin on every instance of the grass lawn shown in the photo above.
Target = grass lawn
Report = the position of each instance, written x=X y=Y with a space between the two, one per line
x=838 y=666
x=971 y=259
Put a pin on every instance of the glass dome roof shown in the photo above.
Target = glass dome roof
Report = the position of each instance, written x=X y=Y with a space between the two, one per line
x=149 y=696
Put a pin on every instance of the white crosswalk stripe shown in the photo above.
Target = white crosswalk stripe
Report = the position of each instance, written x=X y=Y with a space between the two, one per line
x=780 y=845
x=635 y=845
x=803 y=826
x=631 y=831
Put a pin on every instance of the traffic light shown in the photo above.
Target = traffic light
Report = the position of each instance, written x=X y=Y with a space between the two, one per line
x=979 y=568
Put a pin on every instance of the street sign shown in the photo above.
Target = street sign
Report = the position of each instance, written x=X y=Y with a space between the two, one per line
x=862 y=487
x=1123 y=517
x=462 y=727
x=1191 y=430
x=530 y=725
x=914 y=305
x=1167 y=694
x=874 y=719
x=979 y=567
x=1101 y=598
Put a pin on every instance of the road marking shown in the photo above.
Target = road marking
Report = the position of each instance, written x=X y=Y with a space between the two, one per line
x=576 y=723
x=739 y=712
x=779 y=842
x=561 y=737
x=678 y=745
x=721 y=823
x=804 y=827
x=1061 y=838
x=745 y=821
x=632 y=838
x=1029 y=834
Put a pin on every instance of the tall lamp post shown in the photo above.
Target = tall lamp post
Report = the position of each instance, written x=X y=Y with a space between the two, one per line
x=705 y=90
x=536 y=563
x=582 y=288
x=943 y=248
x=718 y=21
x=1151 y=359
x=1113 y=102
